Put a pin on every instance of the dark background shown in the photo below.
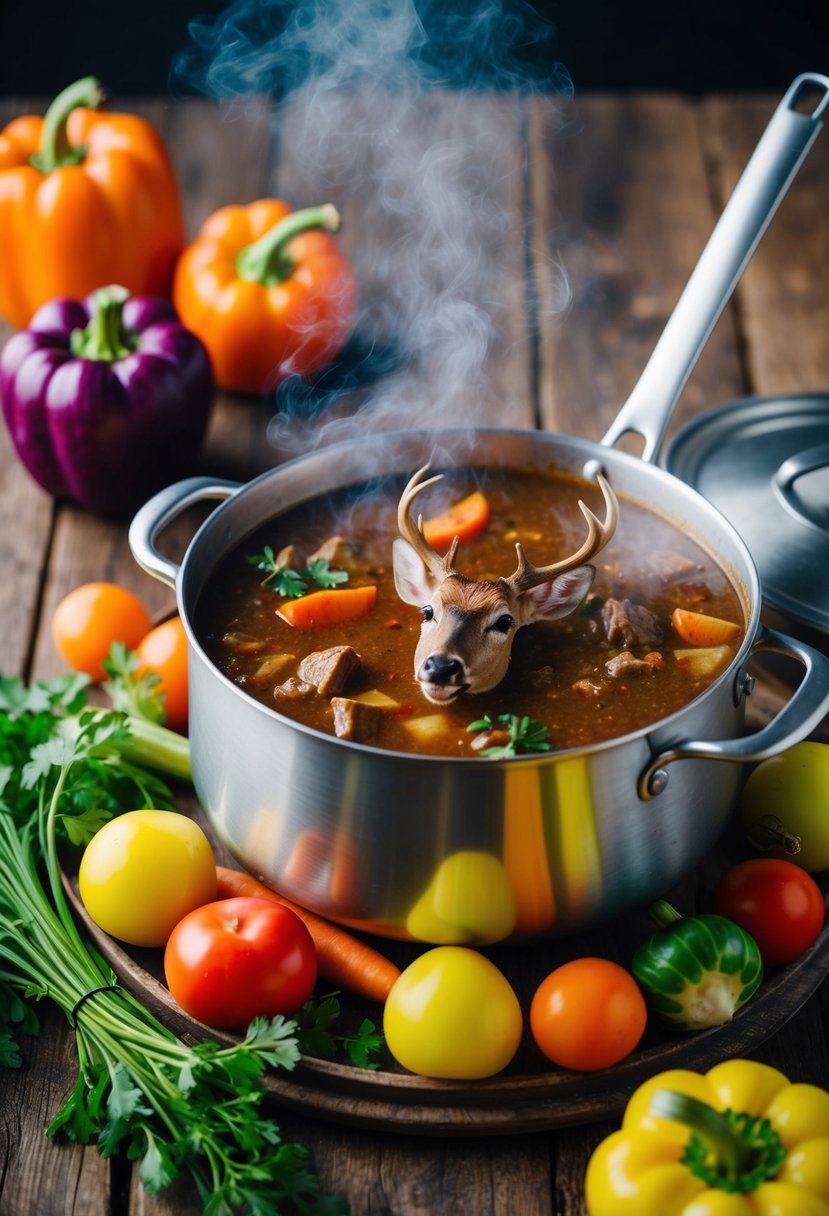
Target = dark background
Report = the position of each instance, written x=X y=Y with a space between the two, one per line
x=692 y=46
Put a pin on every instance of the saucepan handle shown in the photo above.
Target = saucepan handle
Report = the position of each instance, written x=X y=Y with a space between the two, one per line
x=798 y=718
x=161 y=510
x=763 y=183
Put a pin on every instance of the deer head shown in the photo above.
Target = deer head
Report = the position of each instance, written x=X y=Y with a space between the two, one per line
x=469 y=624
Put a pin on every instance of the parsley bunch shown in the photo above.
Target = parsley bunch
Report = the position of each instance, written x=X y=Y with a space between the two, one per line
x=64 y=768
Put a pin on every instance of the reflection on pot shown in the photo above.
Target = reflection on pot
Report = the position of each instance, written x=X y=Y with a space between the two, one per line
x=526 y=857
x=468 y=900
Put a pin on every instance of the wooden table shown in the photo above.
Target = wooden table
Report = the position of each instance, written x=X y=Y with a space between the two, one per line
x=566 y=231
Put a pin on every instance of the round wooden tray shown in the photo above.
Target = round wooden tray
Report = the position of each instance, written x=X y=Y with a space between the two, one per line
x=531 y=1095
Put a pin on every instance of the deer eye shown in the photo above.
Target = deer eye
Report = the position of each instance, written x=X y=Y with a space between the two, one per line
x=427 y=612
x=503 y=624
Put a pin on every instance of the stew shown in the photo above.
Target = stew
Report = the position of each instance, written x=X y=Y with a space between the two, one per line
x=304 y=616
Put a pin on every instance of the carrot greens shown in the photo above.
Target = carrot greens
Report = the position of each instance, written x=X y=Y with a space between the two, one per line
x=174 y=1107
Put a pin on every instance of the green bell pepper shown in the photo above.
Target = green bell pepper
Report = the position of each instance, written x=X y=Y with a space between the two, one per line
x=696 y=971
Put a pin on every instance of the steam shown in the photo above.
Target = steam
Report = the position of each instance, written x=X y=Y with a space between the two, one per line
x=410 y=118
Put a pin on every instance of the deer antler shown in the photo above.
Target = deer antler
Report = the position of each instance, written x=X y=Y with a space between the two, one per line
x=437 y=566
x=527 y=575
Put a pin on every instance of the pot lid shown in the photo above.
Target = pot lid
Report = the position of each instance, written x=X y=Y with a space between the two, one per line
x=764 y=463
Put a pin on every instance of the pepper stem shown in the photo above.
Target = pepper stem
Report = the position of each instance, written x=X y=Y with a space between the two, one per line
x=105 y=337
x=663 y=914
x=267 y=260
x=729 y=1150
x=55 y=148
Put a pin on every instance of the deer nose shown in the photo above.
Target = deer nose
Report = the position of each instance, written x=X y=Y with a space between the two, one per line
x=440 y=669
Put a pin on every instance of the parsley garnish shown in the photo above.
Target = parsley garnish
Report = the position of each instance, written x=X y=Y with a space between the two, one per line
x=525 y=734
x=290 y=583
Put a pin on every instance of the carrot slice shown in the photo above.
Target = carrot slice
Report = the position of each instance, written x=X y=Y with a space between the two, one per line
x=342 y=959
x=697 y=629
x=463 y=519
x=323 y=608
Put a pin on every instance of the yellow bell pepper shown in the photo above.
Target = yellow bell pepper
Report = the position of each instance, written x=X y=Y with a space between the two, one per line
x=739 y=1140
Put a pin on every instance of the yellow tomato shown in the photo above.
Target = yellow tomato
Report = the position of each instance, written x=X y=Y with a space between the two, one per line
x=783 y=804
x=452 y=1014
x=143 y=871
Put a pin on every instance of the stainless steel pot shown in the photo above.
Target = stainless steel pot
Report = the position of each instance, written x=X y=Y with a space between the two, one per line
x=481 y=850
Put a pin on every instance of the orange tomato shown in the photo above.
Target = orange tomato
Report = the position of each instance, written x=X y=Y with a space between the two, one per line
x=463 y=519
x=93 y=616
x=164 y=651
x=588 y=1014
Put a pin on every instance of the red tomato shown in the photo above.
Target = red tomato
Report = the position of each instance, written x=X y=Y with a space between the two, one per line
x=164 y=651
x=90 y=618
x=588 y=1014
x=777 y=902
x=235 y=959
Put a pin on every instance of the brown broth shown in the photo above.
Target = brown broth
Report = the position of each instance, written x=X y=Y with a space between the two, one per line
x=573 y=697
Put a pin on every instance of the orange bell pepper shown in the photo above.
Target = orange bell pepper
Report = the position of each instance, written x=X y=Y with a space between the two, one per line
x=268 y=291
x=86 y=199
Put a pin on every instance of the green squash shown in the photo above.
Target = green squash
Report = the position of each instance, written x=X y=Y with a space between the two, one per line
x=696 y=971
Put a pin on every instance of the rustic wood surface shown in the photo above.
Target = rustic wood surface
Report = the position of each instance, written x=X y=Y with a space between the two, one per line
x=567 y=230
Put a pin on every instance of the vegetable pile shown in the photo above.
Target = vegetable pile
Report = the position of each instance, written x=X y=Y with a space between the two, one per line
x=124 y=328
x=64 y=769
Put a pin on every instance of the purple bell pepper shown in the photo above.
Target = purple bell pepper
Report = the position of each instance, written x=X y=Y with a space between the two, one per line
x=106 y=400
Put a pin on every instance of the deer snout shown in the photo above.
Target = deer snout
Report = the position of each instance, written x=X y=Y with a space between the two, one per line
x=441 y=677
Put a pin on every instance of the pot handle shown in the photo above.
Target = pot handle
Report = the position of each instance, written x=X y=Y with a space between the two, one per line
x=754 y=200
x=160 y=510
x=797 y=719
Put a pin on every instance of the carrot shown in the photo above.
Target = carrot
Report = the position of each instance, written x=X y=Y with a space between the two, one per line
x=463 y=519
x=697 y=629
x=328 y=607
x=342 y=959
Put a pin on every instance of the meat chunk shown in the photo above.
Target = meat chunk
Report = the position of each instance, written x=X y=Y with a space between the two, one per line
x=330 y=670
x=336 y=551
x=625 y=664
x=491 y=738
x=294 y=690
x=671 y=567
x=289 y=558
x=631 y=624
x=356 y=720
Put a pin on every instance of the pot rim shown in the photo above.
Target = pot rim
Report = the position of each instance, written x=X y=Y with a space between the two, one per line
x=746 y=583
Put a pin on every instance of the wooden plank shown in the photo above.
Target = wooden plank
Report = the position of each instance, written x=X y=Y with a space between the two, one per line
x=783 y=301
x=621 y=201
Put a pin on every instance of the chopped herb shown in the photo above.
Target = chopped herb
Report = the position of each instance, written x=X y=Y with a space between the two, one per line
x=290 y=583
x=525 y=734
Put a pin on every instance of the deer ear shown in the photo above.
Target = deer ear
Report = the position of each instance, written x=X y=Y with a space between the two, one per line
x=562 y=595
x=414 y=584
